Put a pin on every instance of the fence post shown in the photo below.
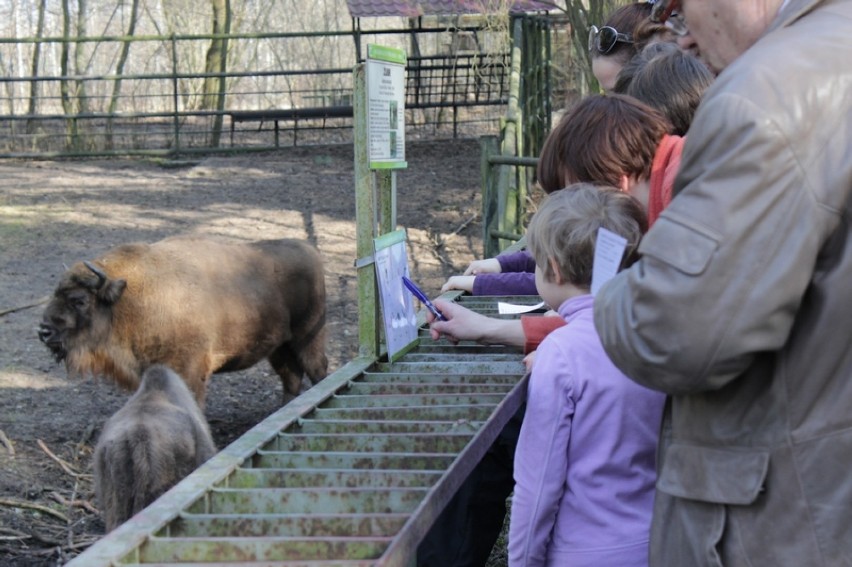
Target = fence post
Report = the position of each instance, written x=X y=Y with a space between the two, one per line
x=175 y=99
x=489 y=147
x=508 y=204
x=366 y=215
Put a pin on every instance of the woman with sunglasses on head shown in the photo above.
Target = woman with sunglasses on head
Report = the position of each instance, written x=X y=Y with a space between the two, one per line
x=626 y=33
x=611 y=46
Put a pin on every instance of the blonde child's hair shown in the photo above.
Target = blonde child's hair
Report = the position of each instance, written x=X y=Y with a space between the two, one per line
x=565 y=229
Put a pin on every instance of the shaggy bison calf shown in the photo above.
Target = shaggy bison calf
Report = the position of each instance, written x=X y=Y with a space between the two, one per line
x=195 y=304
x=149 y=445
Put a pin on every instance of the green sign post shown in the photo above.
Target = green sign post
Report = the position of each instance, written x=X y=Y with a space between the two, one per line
x=379 y=120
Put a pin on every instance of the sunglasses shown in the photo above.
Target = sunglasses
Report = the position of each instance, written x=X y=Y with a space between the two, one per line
x=604 y=39
x=662 y=10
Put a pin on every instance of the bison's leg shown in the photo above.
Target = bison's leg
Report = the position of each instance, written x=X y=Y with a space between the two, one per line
x=196 y=374
x=199 y=390
x=312 y=356
x=286 y=364
x=296 y=358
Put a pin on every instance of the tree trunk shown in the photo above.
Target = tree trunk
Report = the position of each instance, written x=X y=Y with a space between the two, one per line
x=216 y=53
x=80 y=58
x=217 y=62
x=119 y=69
x=32 y=108
x=64 y=89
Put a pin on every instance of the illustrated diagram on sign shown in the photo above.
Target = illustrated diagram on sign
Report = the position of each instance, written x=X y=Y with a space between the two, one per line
x=398 y=315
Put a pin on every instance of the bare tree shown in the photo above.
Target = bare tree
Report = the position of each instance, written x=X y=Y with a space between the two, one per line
x=217 y=53
x=119 y=66
x=217 y=62
x=64 y=88
x=79 y=61
x=34 y=69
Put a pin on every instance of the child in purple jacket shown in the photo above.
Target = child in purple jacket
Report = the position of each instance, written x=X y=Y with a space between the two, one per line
x=585 y=460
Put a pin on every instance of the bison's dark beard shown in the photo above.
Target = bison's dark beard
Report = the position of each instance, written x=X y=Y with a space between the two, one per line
x=58 y=351
x=52 y=341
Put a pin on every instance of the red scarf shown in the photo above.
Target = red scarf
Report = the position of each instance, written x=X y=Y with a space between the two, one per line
x=663 y=172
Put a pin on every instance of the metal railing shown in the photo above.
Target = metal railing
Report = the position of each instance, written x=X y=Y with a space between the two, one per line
x=352 y=472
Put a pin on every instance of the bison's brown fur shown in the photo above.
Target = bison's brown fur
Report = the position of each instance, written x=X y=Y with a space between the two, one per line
x=195 y=304
x=149 y=445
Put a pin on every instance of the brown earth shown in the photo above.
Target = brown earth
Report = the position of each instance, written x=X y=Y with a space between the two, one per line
x=53 y=214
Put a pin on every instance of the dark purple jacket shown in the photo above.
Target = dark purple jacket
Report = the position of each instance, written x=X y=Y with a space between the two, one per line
x=516 y=278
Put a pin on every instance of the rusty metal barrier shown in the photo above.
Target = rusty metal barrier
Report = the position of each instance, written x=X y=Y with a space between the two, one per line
x=351 y=473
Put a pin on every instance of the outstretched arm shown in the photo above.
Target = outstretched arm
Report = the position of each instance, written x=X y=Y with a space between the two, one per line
x=462 y=324
x=487 y=266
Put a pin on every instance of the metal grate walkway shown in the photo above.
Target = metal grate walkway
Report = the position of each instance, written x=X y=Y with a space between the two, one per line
x=352 y=473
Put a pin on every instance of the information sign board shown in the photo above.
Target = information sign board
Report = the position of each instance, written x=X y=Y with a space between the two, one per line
x=386 y=107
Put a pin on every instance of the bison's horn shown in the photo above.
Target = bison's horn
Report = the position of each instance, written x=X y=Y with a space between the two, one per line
x=102 y=277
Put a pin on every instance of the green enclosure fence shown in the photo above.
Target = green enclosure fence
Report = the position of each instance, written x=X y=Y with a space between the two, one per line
x=155 y=103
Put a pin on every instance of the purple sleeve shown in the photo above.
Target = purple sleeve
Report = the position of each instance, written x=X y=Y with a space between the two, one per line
x=511 y=283
x=516 y=262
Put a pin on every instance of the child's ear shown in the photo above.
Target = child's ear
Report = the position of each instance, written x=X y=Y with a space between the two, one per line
x=557 y=275
x=625 y=184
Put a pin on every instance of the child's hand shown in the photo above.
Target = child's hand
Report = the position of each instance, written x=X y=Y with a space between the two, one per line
x=462 y=324
x=464 y=283
x=487 y=266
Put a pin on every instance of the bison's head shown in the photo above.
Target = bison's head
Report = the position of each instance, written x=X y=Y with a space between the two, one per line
x=84 y=295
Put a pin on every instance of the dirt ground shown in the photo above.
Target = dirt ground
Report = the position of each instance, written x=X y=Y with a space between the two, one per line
x=53 y=214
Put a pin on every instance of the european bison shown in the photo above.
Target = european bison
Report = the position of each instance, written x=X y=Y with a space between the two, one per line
x=149 y=445
x=195 y=304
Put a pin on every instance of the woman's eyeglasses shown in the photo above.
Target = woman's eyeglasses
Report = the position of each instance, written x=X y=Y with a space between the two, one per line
x=604 y=39
x=662 y=10
x=677 y=24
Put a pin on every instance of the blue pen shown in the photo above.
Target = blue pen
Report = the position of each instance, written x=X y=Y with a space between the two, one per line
x=412 y=287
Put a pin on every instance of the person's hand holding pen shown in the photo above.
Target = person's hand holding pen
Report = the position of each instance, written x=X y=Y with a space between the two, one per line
x=418 y=293
x=462 y=324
